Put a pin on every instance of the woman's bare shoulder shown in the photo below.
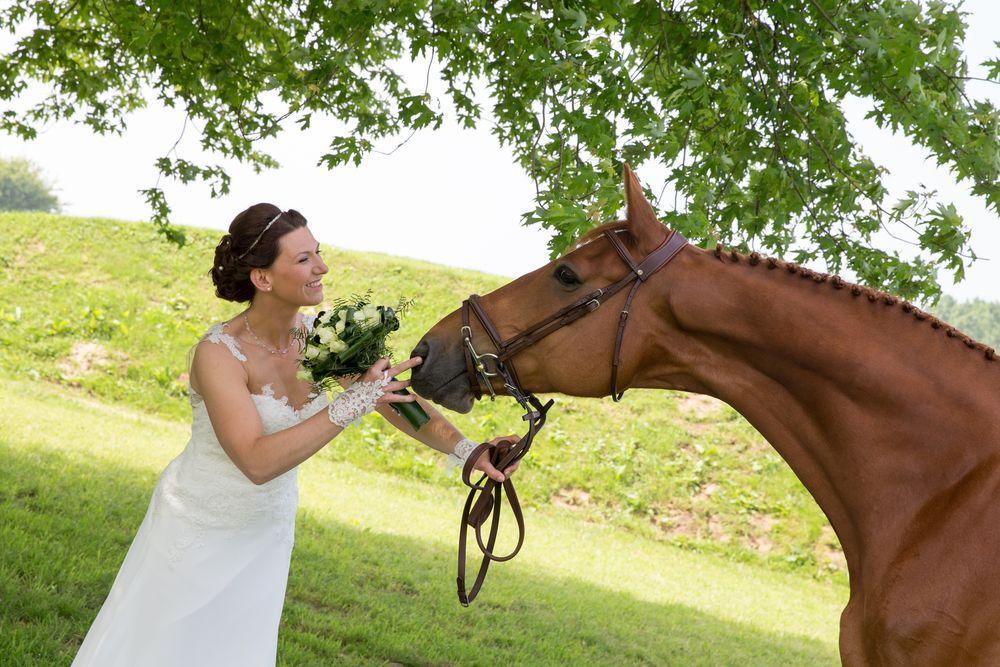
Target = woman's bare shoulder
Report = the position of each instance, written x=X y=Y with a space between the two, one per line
x=217 y=352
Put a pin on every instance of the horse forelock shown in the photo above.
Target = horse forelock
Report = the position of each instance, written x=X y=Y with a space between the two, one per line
x=872 y=295
x=593 y=234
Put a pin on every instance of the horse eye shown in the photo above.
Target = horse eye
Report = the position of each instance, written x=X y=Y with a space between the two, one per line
x=566 y=277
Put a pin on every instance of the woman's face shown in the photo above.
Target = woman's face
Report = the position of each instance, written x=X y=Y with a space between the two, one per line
x=295 y=276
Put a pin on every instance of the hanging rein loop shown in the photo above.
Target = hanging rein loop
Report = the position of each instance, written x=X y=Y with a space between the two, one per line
x=485 y=500
x=486 y=495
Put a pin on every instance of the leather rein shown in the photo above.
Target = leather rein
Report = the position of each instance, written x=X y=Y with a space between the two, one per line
x=485 y=366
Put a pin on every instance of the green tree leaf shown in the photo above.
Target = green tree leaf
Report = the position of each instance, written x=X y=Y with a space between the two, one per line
x=741 y=102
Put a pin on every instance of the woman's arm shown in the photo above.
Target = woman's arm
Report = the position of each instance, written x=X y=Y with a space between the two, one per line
x=237 y=424
x=442 y=435
x=438 y=433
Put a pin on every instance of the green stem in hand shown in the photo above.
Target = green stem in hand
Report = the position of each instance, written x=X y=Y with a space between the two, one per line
x=411 y=412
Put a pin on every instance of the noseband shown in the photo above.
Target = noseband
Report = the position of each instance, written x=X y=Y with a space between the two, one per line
x=485 y=366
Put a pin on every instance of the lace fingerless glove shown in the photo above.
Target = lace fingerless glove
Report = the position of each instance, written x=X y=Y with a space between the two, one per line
x=356 y=401
x=463 y=448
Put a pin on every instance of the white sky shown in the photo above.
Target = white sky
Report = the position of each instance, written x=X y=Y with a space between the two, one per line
x=450 y=196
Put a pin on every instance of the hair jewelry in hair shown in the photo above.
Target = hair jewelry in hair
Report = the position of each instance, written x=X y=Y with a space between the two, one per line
x=263 y=231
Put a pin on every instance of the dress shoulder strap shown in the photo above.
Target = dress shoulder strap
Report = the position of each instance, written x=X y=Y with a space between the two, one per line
x=217 y=334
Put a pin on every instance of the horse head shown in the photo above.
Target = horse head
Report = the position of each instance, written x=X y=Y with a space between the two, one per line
x=575 y=359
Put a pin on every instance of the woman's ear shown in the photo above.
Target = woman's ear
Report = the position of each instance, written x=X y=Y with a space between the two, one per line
x=260 y=279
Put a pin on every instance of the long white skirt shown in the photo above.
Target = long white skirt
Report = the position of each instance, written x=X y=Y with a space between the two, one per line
x=190 y=594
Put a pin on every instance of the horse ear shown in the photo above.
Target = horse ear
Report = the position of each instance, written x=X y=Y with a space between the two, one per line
x=642 y=220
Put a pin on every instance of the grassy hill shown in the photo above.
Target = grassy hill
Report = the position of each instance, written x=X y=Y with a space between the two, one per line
x=372 y=574
x=104 y=309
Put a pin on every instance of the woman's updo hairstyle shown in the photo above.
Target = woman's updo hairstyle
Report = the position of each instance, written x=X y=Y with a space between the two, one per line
x=248 y=246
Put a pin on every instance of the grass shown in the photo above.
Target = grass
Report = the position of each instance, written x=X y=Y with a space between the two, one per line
x=373 y=569
x=104 y=309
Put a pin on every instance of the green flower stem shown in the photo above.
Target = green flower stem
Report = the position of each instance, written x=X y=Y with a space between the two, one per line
x=411 y=412
x=359 y=344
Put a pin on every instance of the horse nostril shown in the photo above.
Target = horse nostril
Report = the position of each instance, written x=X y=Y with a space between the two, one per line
x=422 y=350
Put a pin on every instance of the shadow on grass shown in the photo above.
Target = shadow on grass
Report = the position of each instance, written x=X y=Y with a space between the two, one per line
x=354 y=597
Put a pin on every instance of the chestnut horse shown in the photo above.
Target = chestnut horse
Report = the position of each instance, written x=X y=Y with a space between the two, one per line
x=890 y=418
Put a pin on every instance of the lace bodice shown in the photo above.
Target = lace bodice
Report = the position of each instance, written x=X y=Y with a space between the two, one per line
x=204 y=486
x=276 y=413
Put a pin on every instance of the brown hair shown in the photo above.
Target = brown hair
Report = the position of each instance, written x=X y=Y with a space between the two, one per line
x=248 y=246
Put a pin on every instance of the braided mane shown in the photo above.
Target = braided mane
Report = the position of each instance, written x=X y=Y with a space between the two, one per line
x=838 y=283
x=873 y=295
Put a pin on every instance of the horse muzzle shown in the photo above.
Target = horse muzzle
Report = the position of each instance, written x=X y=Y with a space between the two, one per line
x=442 y=376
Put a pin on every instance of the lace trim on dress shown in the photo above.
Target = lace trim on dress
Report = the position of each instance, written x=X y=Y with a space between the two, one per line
x=217 y=334
x=267 y=391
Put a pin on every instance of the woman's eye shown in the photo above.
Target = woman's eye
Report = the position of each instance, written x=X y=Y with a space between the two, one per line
x=566 y=276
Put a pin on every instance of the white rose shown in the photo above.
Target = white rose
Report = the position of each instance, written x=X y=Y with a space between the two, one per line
x=368 y=315
x=337 y=346
x=312 y=352
x=339 y=327
x=326 y=317
x=303 y=374
x=326 y=335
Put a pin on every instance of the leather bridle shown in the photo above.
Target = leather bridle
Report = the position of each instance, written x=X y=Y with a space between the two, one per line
x=485 y=366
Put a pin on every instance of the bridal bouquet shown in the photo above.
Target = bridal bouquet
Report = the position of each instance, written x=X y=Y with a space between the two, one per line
x=347 y=339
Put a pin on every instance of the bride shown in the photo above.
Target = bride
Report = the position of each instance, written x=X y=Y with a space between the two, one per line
x=203 y=582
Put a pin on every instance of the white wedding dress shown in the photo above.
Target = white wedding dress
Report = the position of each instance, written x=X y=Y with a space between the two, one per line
x=203 y=582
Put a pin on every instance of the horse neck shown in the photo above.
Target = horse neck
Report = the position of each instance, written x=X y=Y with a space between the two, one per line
x=875 y=412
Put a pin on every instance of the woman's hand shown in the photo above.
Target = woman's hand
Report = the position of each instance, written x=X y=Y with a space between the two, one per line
x=381 y=368
x=486 y=466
